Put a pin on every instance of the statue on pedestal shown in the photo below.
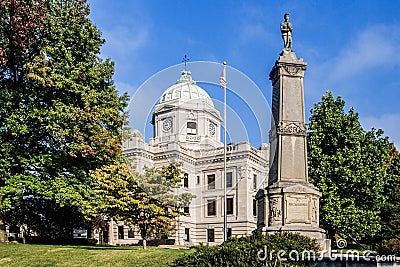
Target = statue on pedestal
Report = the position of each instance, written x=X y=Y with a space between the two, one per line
x=286 y=30
x=290 y=201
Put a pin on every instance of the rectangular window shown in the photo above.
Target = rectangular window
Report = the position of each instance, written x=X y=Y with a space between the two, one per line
x=229 y=232
x=121 y=232
x=229 y=180
x=211 y=207
x=191 y=128
x=198 y=180
x=211 y=181
x=186 y=210
x=254 y=207
x=210 y=235
x=187 y=234
x=186 y=180
x=255 y=181
x=229 y=205
x=131 y=233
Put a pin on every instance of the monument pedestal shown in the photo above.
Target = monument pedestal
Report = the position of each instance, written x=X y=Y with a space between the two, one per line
x=294 y=207
x=289 y=202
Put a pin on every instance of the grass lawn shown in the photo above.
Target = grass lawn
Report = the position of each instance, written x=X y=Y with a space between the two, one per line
x=49 y=255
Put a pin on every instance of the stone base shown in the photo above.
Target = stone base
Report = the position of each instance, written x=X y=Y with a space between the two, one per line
x=293 y=207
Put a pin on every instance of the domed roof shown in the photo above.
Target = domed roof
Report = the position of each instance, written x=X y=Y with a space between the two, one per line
x=186 y=89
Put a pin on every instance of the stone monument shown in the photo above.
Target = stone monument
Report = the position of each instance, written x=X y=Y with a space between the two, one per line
x=289 y=202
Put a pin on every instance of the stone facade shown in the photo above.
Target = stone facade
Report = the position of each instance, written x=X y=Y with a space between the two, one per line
x=187 y=130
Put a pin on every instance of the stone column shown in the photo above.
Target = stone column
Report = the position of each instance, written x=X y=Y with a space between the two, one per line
x=111 y=240
x=292 y=202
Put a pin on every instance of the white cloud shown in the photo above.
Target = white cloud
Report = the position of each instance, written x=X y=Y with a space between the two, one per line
x=125 y=88
x=372 y=51
x=374 y=47
x=387 y=122
x=253 y=31
x=123 y=41
x=253 y=25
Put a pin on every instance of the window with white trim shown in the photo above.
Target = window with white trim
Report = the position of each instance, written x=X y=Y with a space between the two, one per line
x=191 y=128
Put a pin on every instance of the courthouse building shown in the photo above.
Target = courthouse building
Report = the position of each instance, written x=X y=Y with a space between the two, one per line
x=187 y=129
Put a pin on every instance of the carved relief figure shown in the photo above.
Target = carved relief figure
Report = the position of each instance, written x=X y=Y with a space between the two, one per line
x=286 y=30
x=275 y=209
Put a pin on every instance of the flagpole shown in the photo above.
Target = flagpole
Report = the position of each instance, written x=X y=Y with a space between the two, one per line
x=224 y=180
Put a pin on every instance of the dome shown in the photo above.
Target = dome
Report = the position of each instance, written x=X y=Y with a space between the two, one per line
x=185 y=89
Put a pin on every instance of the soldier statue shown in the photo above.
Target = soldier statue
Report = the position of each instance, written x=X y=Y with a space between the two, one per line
x=286 y=30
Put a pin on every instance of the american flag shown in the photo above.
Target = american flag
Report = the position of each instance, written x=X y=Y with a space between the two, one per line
x=222 y=81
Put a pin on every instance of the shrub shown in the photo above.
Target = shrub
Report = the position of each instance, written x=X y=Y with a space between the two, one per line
x=156 y=242
x=170 y=242
x=244 y=251
x=391 y=247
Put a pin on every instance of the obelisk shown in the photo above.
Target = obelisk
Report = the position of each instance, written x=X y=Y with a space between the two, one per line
x=290 y=202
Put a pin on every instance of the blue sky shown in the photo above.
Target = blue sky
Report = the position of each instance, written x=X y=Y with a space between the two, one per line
x=352 y=49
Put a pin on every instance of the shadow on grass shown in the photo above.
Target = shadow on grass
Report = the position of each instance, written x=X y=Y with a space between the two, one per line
x=94 y=248
x=81 y=247
x=133 y=248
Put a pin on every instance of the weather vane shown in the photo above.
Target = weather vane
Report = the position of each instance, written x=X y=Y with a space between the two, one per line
x=185 y=60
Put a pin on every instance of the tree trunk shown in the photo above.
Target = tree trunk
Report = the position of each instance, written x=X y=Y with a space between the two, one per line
x=3 y=234
x=143 y=234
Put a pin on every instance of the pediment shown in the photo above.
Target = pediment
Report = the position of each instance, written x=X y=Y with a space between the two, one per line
x=164 y=108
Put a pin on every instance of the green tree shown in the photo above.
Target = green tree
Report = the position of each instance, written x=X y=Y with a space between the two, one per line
x=348 y=165
x=391 y=211
x=46 y=219
x=163 y=202
x=60 y=114
x=151 y=200
x=20 y=33
x=116 y=192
